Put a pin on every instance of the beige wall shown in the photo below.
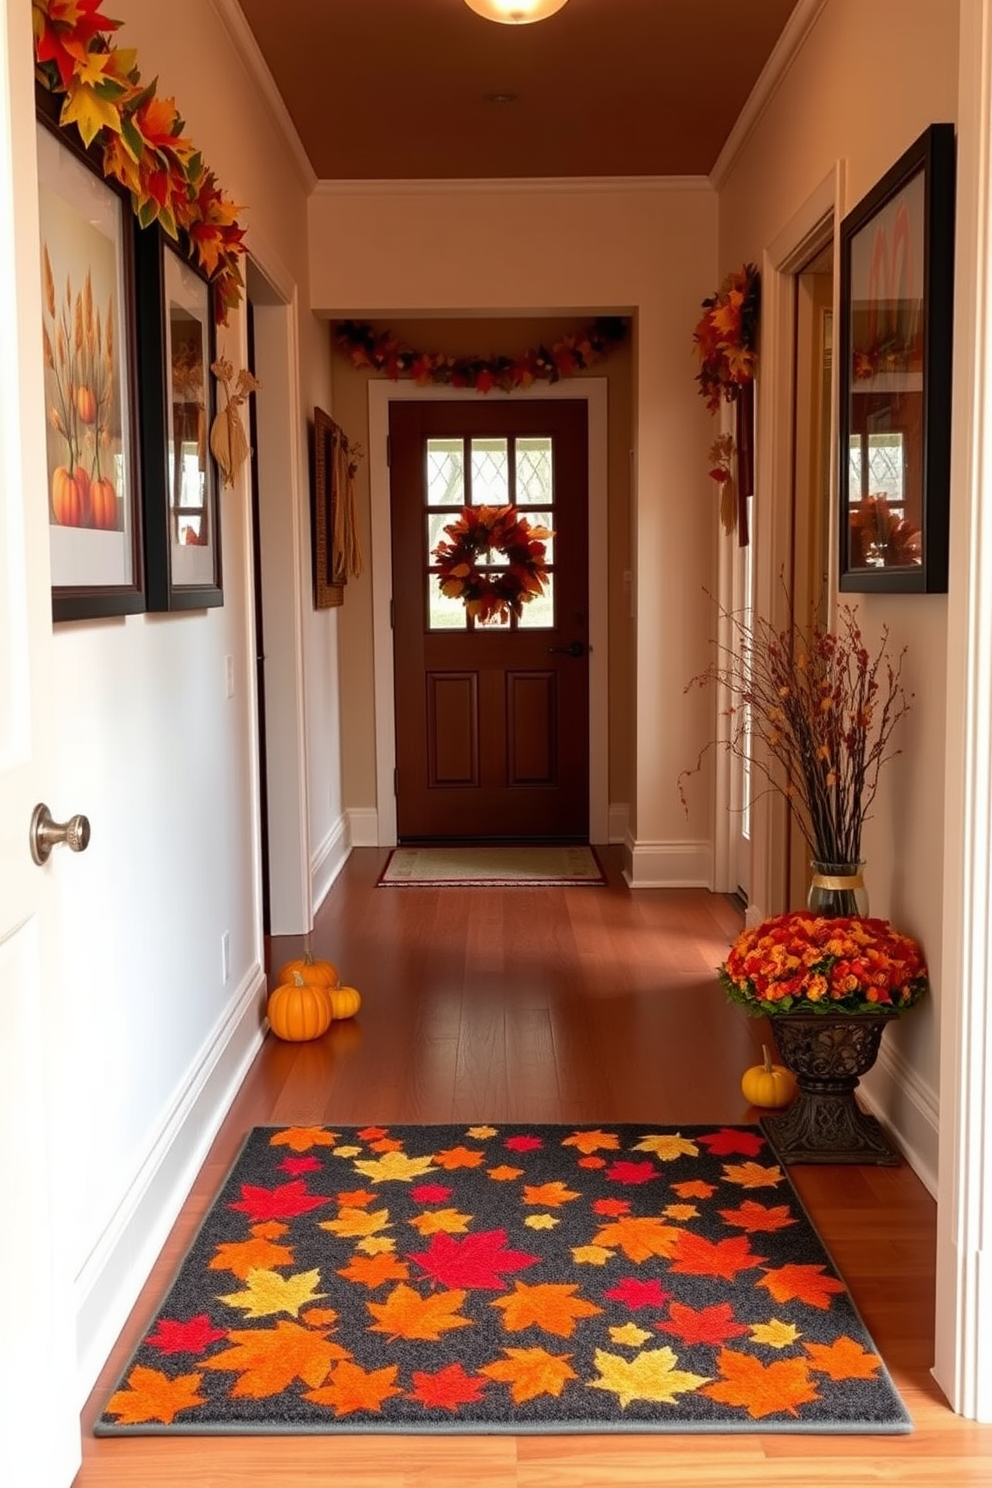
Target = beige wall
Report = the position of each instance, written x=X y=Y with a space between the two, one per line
x=866 y=83
x=164 y=763
x=579 y=248
x=350 y=398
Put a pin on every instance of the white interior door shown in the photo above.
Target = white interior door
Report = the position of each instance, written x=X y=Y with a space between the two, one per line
x=39 y=1430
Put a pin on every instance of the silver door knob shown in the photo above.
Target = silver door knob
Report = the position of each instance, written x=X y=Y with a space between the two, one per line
x=47 y=833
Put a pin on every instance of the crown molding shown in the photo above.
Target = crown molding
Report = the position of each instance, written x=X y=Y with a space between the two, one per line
x=787 y=48
x=247 y=48
x=538 y=185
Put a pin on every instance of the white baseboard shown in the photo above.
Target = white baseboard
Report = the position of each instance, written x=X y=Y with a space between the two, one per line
x=617 y=821
x=363 y=826
x=119 y=1264
x=668 y=865
x=327 y=862
x=908 y=1109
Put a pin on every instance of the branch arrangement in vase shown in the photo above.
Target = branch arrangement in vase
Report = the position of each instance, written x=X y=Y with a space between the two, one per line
x=822 y=708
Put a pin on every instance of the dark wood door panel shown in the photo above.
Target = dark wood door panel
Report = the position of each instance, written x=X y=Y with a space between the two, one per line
x=492 y=725
x=532 y=728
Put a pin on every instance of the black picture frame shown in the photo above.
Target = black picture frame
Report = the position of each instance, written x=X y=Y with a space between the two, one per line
x=894 y=344
x=329 y=572
x=88 y=341
x=179 y=476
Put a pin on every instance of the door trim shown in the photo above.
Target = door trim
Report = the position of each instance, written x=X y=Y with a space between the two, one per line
x=381 y=394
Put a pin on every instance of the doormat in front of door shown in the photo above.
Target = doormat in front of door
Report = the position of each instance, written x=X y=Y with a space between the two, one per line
x=491 y=867
x=506 y=1278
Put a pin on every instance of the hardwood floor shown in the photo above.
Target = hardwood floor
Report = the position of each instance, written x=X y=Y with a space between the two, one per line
x=585 y=1004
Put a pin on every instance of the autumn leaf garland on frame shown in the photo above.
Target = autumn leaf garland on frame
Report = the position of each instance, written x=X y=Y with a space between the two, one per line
x=141 y=138
x=725 y=341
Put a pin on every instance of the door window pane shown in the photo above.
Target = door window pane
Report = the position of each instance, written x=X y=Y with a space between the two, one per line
x=443 y=613
x=539 y=613
x=546 y=520
x=534 y=470
x=490 y=472
x=445 y=472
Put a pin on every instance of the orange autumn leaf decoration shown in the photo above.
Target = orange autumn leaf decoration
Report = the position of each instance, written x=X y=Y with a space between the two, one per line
x=374 y=1271
x=802 y=1283
x=459 y=1157
x=405 y=1314
x=141 y=138
x=753 y=1175
x=697 y=1256
x=352 y=1388
x=531 y=1372
x=257 y=1254
x=450 y=1388
x=713 y=1324
x=588 y=1142
x=549 y=1195
x=305 y=1139
x=552 y=1306
x=639 y=1237
x=757 y=1217
x=762 y=1389
x=152 y=1396
x=844 y=1359
x=268 y=1360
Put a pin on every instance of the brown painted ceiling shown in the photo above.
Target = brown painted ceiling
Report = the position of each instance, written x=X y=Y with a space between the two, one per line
x=395 y=89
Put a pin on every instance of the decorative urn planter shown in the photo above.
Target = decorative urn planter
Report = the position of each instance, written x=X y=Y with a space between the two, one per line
x=829 y=986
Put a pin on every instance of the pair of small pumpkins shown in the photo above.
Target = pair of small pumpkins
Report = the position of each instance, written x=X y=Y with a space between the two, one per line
x=307 y=998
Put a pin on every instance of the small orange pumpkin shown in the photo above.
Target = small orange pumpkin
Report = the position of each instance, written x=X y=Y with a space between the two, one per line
x=769 y=1085
x=314 y=973
x=345 y=1001
x=298 y=1010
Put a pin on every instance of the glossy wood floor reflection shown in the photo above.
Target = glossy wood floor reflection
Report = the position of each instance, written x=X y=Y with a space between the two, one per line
x=583 y=1004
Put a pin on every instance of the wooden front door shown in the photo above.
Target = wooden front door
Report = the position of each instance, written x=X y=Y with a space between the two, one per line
x=492 y=721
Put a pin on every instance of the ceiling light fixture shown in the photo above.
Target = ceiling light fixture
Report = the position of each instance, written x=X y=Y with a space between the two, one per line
x=515 y=12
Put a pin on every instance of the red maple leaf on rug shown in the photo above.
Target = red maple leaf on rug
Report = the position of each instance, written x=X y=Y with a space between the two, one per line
x=283 y=1202
x=725 y=1141
x=476 y=1261
x=633 y=1293
x=191 y=1337
x=632 y=1172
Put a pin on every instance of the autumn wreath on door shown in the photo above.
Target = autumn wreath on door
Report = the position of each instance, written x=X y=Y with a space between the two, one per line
x=469 y=562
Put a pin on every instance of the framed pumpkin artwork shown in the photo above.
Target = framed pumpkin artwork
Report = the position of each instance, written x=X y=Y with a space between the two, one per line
x=89 y=350
x=896 y=310
x=182 y=518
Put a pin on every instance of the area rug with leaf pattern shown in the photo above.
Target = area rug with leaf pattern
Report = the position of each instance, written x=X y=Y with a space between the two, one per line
x=506 y=1278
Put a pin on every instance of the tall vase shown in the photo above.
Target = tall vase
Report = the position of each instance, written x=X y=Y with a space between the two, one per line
x=837 y=889
x=827 y=1053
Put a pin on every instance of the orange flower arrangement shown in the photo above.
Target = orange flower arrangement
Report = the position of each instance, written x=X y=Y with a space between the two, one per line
x=800 y=963
x=492 y=593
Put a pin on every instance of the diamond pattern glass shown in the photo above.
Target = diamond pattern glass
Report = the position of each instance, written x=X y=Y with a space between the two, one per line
x=490 y=472
x=534 y=471
x=445 y=472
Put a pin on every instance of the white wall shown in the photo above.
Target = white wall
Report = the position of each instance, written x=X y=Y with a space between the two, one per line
x=164 y=763
x=645 y=248
x=867 y=81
